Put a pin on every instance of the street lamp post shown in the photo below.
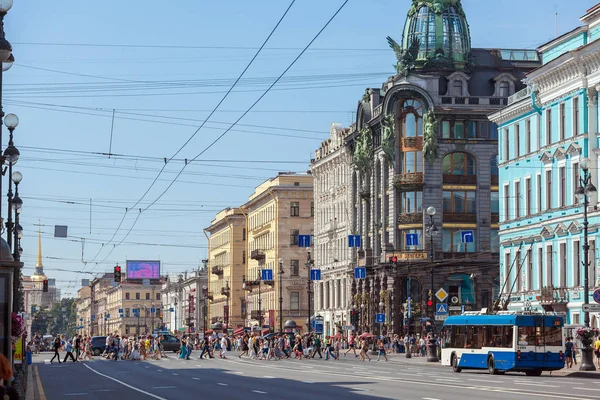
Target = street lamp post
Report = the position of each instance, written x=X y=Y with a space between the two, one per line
x=139 y=310
x=226 y=291
x=432 y=230
x=16 y=204
x=381 y=323
x=309 y=264
x=585 y=189
x=280 y=295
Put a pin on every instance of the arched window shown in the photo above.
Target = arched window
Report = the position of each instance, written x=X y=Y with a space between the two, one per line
x=458 y=164
x=411 y=114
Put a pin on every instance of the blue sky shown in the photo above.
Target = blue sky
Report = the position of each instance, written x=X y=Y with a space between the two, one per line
x=162 y=66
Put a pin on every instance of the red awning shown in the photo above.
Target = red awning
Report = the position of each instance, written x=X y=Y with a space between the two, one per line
x=238 y=331
x=208 y=332
x=265 y=331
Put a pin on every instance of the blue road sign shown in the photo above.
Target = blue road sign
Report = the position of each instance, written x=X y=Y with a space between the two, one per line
x=412 y=239
x=107 y=316
x=353 y=240
x=467 y=236
x=360 y=273
x=441 y=308
x=267 y=275
x=318 y=325
x=153 y=310
x=303 y=240
x=120 y=311
x=171 y=309
x=93 y=317
x=379 y=318
x=596 y=295
x=315 y=274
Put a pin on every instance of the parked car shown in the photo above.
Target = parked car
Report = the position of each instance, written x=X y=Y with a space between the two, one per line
x=170 y=343
x=98 y=345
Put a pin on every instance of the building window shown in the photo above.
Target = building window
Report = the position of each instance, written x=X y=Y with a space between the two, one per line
x=157 y=296
x=561 y=125
x=548 y=127
x=518 y=272
x=540 y=262
x=529 y=276
x=517 y=140
x=411 y=161
x=517 y=199
x=127 y=312
x=127 y=296
x=452 y=242
x=137 y=296
x=294 y=209
x=528 y=196
x=538 y=202
x=410 y=202
x=528 y=136
x=494 y=202
x=294 y=267
x=403 y=239
x=312 y=208
x=147 y=296
x=471 y=132
x=504 y=89
x=243 y=234
x=494 y=241
x=446 y=129
x=575 y=168
x=458 y=164
x=457 y=88
x=549 y=280
x=576 y=264
x=506 y=202
x=412 y=121
x=576 y=116
x=294 y=301
x=294 y=237
x=548 y=190
x=459 y=202
x=243 y=256
x=506 y=146
x=562 y=176
x=562 y=265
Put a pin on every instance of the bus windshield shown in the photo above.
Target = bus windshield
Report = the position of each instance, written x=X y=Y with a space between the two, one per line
x=540 y=336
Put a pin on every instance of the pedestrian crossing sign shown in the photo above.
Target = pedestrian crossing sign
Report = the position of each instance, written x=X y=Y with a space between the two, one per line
x=441 y=308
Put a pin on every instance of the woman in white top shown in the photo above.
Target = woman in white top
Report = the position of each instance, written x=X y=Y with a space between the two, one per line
x=223 y=347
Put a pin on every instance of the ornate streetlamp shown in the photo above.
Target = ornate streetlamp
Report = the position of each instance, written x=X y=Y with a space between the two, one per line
x=586 y=188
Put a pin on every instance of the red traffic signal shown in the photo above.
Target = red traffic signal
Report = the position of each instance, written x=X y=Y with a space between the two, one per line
x=117 y=273
x=429 y=303
x=45 y=286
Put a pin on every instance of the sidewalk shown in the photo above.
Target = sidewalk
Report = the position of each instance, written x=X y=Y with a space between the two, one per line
x=575 y=373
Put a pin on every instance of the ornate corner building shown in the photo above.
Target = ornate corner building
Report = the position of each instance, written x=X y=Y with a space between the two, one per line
x=421 y=185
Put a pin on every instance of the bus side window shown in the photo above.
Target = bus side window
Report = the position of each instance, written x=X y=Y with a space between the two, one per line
x=459 y=337
x=508 y=336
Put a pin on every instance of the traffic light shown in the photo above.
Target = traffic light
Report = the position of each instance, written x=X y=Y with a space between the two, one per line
x=352 y=317
x=393 y=260
x=429 y=303
x=117 y=273
x=45 y=286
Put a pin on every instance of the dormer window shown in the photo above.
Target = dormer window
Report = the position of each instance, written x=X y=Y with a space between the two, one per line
x=457 y=88
x=504 y=89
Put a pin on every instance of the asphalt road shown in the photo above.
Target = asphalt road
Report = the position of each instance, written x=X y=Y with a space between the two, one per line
x=400 y=378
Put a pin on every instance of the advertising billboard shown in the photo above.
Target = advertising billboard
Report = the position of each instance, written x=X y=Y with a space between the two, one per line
x=143 y=269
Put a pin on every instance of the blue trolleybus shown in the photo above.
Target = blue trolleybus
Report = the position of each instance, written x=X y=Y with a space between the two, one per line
x=522 y=342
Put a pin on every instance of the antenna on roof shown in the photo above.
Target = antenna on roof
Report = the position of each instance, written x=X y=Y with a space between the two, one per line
x=556 y=23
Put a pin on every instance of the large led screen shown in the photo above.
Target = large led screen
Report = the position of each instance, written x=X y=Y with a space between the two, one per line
x=143 y=269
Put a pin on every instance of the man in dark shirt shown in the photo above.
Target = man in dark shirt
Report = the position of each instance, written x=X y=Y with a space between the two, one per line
x=77 y=346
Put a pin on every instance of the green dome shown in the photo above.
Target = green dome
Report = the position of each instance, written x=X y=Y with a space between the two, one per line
x=437 y=34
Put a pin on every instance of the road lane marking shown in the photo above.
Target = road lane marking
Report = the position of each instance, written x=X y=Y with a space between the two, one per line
x=196 y=379
x=77 y=394
x=269 y=377
x=222 y=384
x=39 y=384
x=124 y=384
x=258 y=391
x=175 y=374
x=535 y=384
x=164 y=387
x=159 y=370
x=580 y=388
x=458 y=385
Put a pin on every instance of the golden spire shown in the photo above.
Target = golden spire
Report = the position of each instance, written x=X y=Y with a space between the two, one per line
x=39 y=254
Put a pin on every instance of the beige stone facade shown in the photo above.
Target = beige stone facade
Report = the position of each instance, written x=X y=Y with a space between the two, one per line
x=278 y=212
x=226 y=267
x=98 y=307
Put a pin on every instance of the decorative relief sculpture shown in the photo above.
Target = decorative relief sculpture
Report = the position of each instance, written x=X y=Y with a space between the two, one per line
x=430 y=142
x=388 y=142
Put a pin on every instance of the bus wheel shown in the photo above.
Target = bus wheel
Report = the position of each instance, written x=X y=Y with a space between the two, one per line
x=454 y=364
x=535 y=372
x=492 y=370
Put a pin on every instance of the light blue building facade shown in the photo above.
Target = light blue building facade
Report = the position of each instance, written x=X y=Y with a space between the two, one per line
x=544 y=134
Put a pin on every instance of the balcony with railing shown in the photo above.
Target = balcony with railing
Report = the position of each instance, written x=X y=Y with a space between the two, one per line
x=257 y=255
x=409 y=181
x=460 y=217
x=412 y=143
x=554 y=299
x=410 y=218
x=474 y=100
x=217 y=270
x=460 y=179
